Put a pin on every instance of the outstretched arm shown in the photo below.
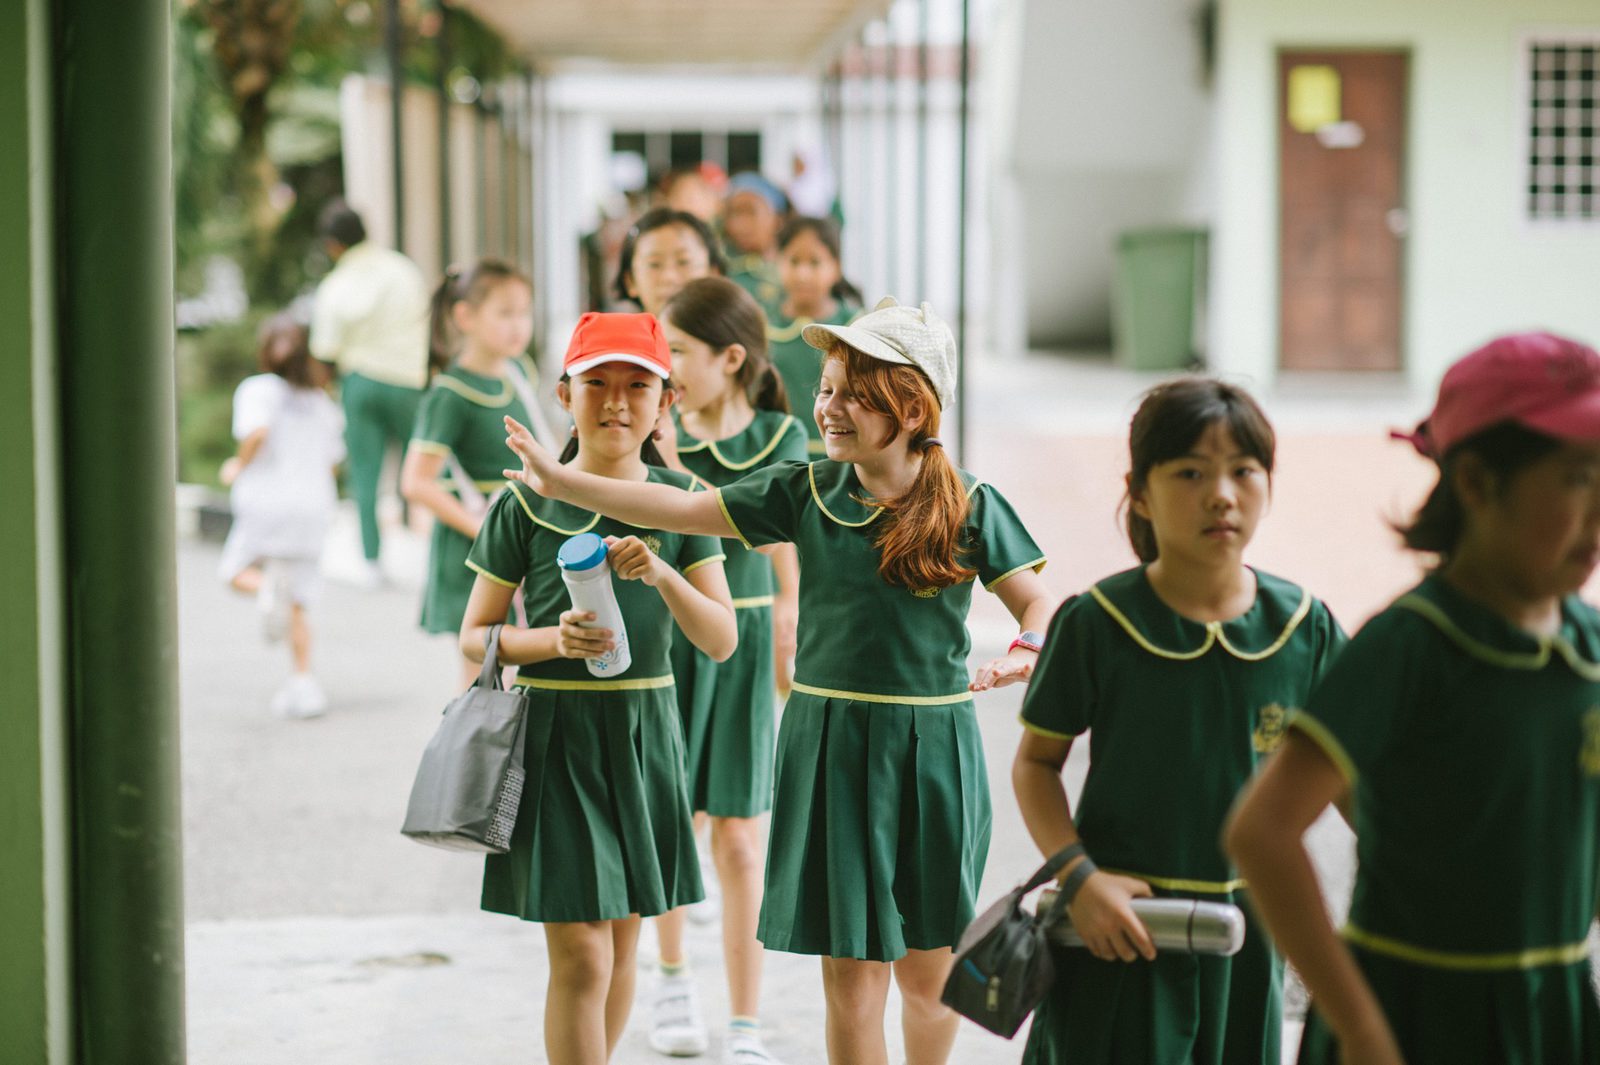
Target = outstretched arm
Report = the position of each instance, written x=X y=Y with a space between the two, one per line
x=650 y=506
x=1264 y=837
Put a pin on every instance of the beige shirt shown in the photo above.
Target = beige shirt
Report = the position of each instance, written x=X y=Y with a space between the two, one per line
x=371 y=317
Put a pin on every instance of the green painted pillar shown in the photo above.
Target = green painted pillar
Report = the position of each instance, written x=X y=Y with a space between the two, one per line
x=36 y=1008
x=114 y=307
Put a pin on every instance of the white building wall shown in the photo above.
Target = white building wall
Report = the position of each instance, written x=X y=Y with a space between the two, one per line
x=1474 y=266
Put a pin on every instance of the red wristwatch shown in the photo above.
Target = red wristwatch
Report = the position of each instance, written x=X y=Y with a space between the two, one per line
x=1028 y=640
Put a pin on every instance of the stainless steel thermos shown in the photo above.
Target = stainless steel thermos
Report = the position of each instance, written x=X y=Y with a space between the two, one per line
x=1180 y=925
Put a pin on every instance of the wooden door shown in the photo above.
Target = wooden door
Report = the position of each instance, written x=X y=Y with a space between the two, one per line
x=1341 y=125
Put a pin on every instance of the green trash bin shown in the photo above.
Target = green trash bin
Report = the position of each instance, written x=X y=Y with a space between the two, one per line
x=1158 y=295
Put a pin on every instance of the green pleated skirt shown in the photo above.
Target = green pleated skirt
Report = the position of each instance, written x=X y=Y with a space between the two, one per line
x=729 y=711
x=449 y=585
x=880 y=828
x=1544 y=1016
x=1180 y=1009
x=603 y=830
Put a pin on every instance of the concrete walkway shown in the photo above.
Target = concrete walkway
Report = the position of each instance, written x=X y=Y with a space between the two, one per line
x=317 y=934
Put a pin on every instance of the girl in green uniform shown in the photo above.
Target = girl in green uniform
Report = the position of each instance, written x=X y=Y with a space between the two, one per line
x=664 y=251
x=731 y=419
x=603 y=833
x=1181 y=671
x=483 y=317
x=1463 y=726
x=814 y=290
x=880 y=815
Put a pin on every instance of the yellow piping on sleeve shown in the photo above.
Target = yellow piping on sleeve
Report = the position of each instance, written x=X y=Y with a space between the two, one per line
x=1327 y=743
x=691 y=567
x=486 y=575
x=1037 y=565
x=1046 y=733
x=722 y=505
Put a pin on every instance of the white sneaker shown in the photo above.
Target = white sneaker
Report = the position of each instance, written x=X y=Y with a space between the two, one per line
x=300 y=697
x=746 y=1048
x=677 y=1028
x=274 y=600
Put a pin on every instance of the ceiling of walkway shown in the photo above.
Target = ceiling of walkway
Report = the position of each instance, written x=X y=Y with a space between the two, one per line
x=776 y=34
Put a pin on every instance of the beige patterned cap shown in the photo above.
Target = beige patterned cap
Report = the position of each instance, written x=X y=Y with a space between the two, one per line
x=907 y=336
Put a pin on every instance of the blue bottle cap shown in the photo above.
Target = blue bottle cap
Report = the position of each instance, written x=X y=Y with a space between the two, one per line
x=584 y=551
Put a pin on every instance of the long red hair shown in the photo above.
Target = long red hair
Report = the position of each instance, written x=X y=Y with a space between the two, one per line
x=919 y=537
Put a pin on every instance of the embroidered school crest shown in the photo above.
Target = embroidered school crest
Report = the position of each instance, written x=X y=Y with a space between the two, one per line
x=925 y=593
x=1270 y=727
x=653 y=543
x=1589 y=753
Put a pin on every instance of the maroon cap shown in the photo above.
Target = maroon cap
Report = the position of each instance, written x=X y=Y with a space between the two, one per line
x=1540 y=381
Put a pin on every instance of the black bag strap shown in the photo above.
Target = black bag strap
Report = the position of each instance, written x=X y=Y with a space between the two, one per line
x=489 y=677
x=1053 y=866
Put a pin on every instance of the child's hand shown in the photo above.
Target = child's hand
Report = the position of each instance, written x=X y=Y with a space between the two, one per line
x=632 y=560
x=575 y=641
x=230 y=471
x=540 y=470
x=1014 y=668
x=1108 y=925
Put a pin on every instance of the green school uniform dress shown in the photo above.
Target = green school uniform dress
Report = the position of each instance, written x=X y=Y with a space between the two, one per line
x=604 y=828
x=1179 y=714
x=759 y=277
x=461 y=415
x=1473 y=752
x=729 y=710
x=800 y=366
x=880 y=815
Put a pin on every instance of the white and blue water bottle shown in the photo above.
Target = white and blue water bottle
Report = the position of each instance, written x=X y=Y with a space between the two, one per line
x=587 y=574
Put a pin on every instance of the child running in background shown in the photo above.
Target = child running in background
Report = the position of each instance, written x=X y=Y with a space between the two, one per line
x=664 y=251
x=732 y=419
x=1181 y=671
x=881 y=814
x=814 y=290
x=283 y=494
x=603 y=832
x=1463 y=725
x=482 y=321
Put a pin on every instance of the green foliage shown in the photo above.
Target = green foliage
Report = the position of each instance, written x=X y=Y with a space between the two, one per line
x=210 y=365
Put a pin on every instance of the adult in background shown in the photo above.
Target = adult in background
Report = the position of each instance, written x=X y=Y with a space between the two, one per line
x=371 y=321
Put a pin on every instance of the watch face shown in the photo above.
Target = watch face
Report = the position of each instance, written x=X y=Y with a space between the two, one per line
x=1031 y=637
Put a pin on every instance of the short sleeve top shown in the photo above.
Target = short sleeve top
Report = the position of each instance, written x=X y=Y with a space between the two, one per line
x=461 y=415
x=518 y=542
x=1473 y=748
x=1179 y=714
x=772 y=437
x=859 y=636
x=800 y=366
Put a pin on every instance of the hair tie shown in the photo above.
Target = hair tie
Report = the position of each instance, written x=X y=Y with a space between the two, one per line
x=932 y=441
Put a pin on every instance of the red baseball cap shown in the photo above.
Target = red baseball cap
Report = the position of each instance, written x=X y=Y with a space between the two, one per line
x=635 y=338
x=1541 y=381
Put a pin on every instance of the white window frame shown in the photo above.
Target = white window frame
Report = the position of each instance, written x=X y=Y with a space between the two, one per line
x=1544 y=36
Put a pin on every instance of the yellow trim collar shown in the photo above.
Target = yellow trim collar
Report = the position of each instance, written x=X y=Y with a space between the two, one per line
x=1214 y=634
x=526 y=509
x=782 y=334
x=486 y=575
x=771 y=445
x=1501 y=961
x=639 y=684
x=1531 y=660
x=811 y=475
x=872 y=697
x=472 y=395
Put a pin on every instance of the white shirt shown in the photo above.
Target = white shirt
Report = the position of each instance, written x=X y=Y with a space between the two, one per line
x=371 y=317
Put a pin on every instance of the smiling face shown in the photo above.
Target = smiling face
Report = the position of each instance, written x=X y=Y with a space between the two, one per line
x=852 y=430
x=664 y=260
x=808 y=271
x=700 y=375
x=501 y=324
x=1543 y=527
x=614 y=407
x=1205 y=505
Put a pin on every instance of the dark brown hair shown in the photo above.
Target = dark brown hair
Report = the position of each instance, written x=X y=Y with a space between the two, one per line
x=1505 y=450
x=719 y=313
x=283 y=348
x=647 y=451
x=1170 y=420
x=919 y=536
x=827 y=231
x=470 y=285
x=660 y=218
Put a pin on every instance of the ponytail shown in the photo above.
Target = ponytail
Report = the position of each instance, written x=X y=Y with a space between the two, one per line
x=471 y=285
x=719 y=313
x=919 y=537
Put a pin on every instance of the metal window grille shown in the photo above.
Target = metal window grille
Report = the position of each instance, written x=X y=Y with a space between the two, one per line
x=1563 y=115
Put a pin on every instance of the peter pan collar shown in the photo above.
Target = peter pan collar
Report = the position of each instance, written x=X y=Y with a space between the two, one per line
x=1488 y=637
x=746 y=448
x=453 y=379
x=569 y=520
x=1258 y=633
x=837 y=491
